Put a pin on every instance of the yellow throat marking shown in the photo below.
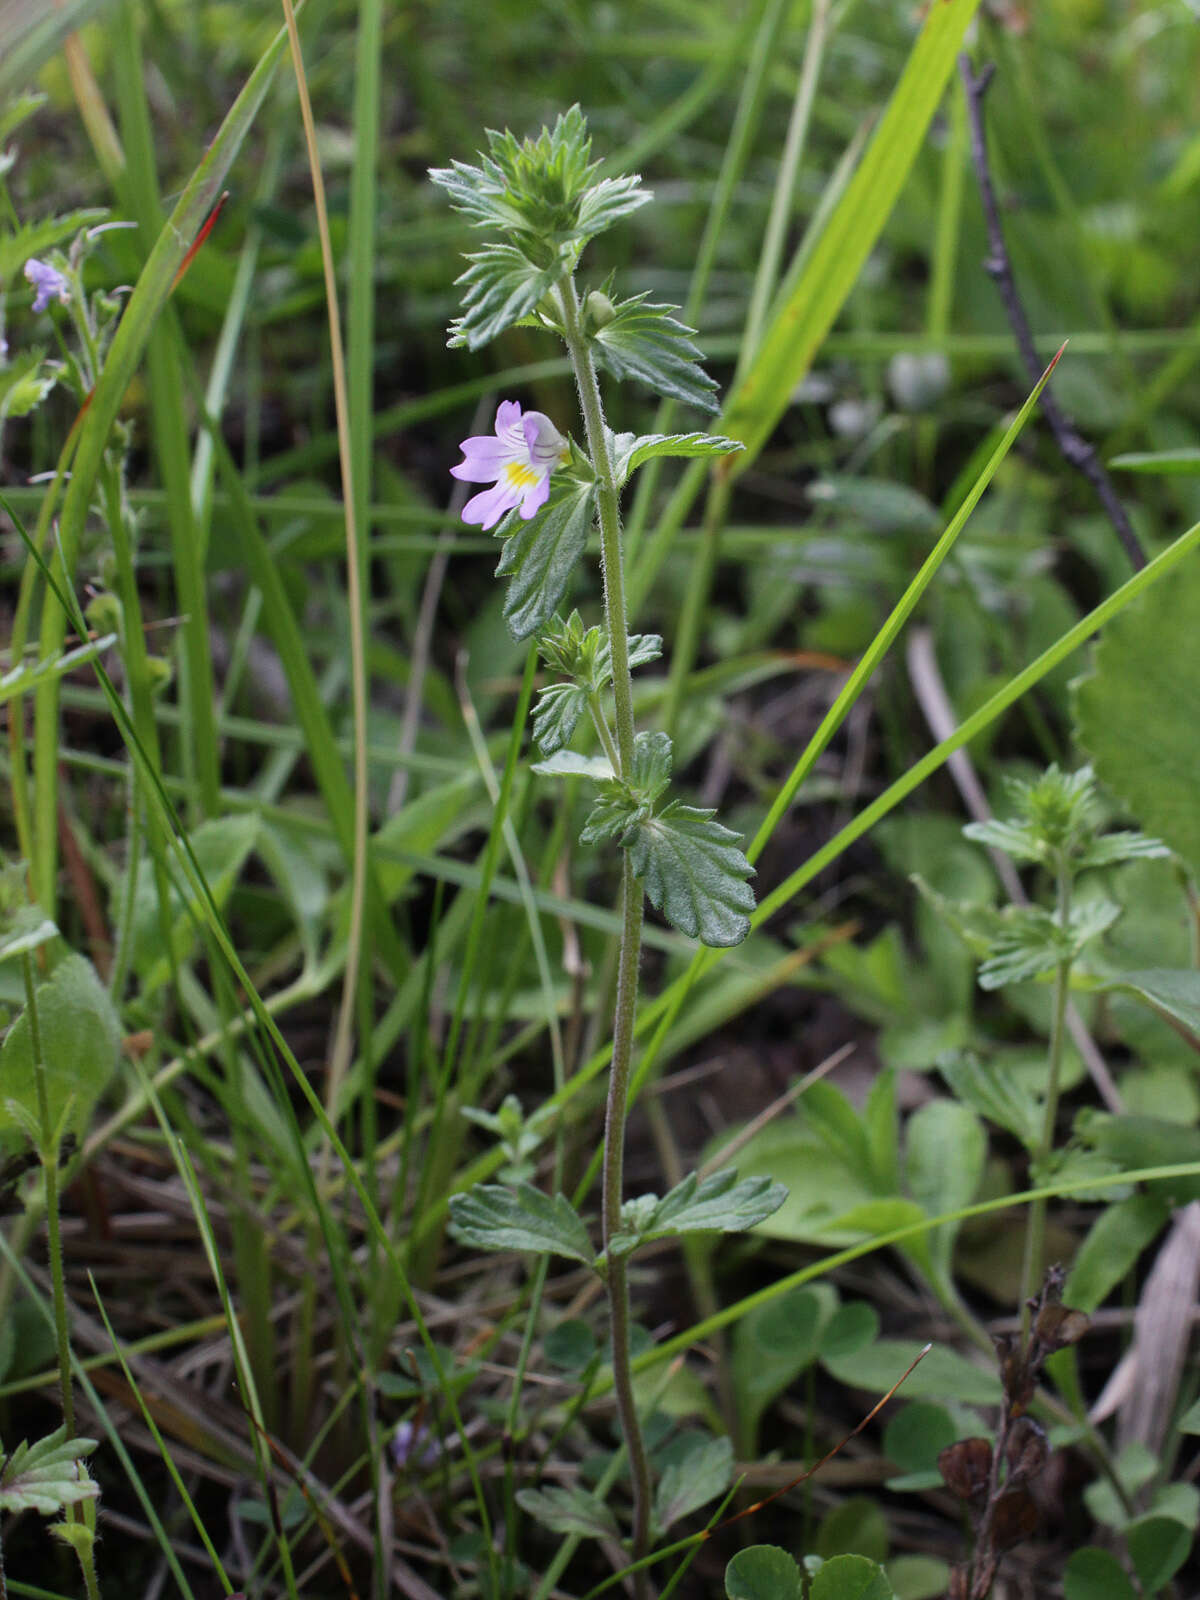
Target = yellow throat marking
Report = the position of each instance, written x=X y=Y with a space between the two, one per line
x=519 y=475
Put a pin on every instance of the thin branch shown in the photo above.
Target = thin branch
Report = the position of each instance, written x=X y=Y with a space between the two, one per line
x=1076 y=450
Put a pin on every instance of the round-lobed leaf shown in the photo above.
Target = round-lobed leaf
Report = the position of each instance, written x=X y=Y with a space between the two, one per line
x=763 y=1572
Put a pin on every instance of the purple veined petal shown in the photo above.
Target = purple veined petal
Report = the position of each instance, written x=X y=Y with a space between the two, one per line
x=481 y=466
x=484 y=444
x=536 y=497
x=545 y=444
x=508 y=415
x=487 y=508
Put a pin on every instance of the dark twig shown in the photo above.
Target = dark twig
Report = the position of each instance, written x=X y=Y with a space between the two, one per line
x=1076 y=450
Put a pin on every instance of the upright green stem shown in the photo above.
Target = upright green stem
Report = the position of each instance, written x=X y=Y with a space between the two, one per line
x=1035 y=1233
x=616 y=621
x=49 y=1155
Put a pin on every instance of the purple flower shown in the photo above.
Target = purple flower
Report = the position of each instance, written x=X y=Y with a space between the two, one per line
x=517 y=461
x=49 y=283
x=411 y=1442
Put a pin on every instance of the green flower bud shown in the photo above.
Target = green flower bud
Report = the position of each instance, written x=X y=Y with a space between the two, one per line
x=600 y=310
x=160 y=673
x=104 y=613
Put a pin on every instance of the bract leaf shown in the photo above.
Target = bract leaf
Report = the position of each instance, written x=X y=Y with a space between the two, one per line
x=695 y=873
x=500 y=286
x=630 y=451
x=614 y=813
x=540 y=555
x=493 y=1217
x=643 y=341
x=557 y=714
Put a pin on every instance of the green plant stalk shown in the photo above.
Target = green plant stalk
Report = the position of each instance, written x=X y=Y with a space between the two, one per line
x=616 y=1111
x=1035 y=1229
x=49 y=1155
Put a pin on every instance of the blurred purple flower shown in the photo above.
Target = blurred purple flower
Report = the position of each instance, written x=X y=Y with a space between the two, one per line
x=49 y=283
x=517 y=461
x=409 y=1443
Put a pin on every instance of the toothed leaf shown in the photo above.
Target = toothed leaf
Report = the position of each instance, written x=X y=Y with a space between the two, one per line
x=493 y=1217
x=557 y=714
x=716 y=1204
x=644 y=342
x=694 y=872
x=630 y=450
x=704 y=1473
x=570 y=1510
x=45 y=1476
x=499 y=288
x=540 y=555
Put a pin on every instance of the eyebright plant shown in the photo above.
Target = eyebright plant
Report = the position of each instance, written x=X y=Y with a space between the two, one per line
x=543 y=200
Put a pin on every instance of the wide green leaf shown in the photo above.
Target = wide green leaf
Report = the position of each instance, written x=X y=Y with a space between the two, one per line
x=557 y=714
x=773 y=1345
x=687 y=1484
x=44 y=1476
x=1115 y=1241
x=221 y=849
x=942 y=1375
x=1138 y=712
x=716 y=1204
x=1094 y=1574
x=694 y=872
x=851 y=1578
x=994 y=1093
x=763 y=1572
x=913 y=1439
x=945 y=1153
x=1136 y=1142
x=494 y=1217
x=540 y=555
x=570 y=1510
x=81 y=1041
x=1173 y=991
x=1158 y=1547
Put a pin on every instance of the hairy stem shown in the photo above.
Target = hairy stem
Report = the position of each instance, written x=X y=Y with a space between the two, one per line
x=1035 y=1232
x=616 y=622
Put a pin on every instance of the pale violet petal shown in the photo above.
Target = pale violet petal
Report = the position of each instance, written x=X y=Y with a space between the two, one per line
x=536 y=497
x=487 y=508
